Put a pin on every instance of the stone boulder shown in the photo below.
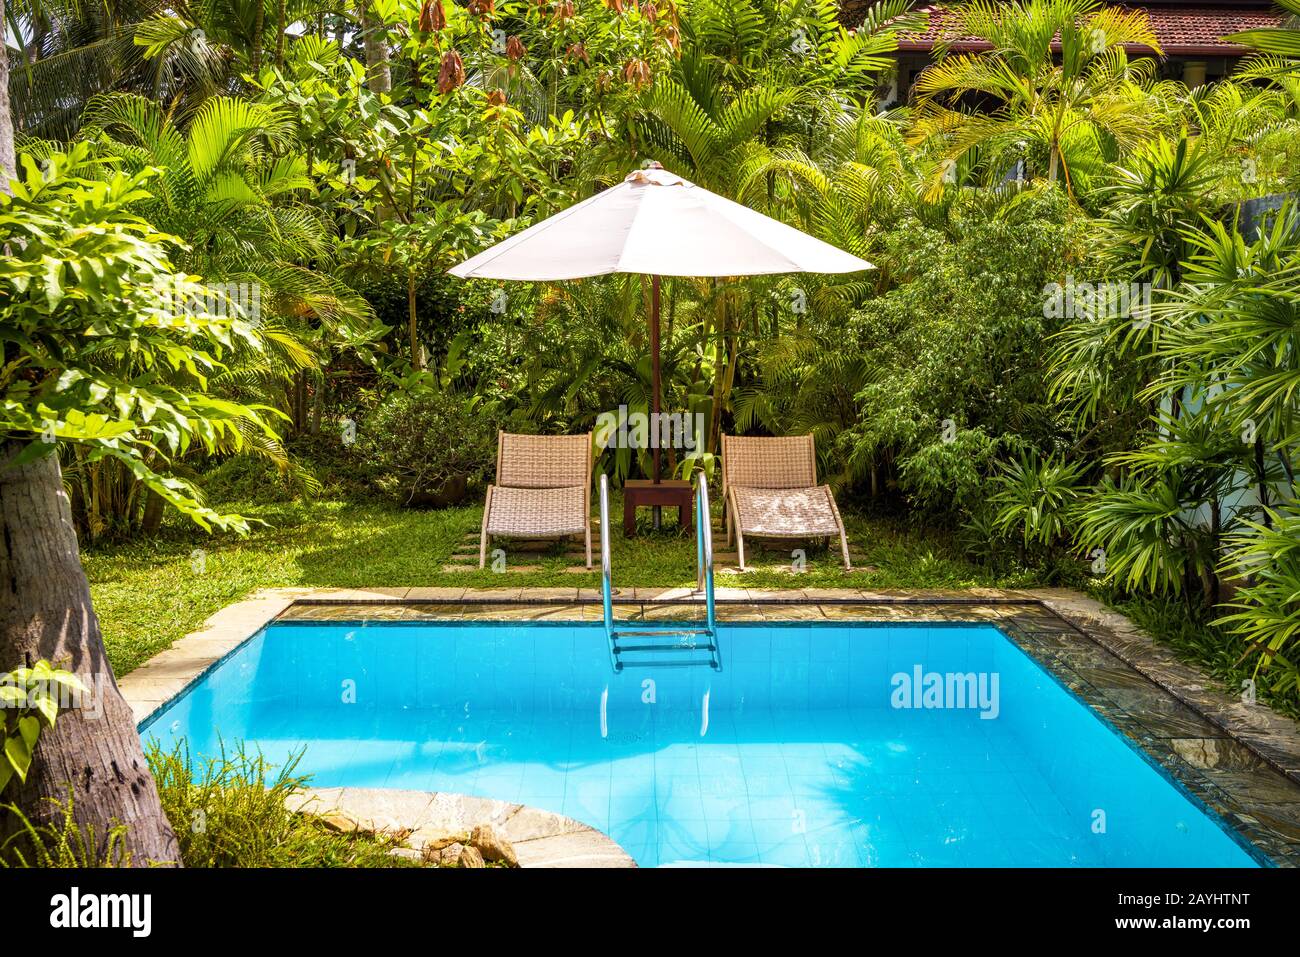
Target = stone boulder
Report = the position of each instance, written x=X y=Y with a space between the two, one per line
x=493 y=846
x=340 y=823
x=445 y=856
x=470 y=857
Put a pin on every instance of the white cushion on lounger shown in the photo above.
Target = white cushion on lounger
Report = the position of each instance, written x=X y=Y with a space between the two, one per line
x=786 y=512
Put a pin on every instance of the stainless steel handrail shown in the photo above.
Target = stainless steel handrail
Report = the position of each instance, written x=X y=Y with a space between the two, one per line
x=606 y=584
x=704 y=559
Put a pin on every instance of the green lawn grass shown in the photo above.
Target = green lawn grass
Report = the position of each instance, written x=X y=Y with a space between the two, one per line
x=150 y=593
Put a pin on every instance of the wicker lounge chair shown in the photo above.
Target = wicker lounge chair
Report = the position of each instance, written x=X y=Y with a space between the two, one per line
x=770 y=490
x=543 y=489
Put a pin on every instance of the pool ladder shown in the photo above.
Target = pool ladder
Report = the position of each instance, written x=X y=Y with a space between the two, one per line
x=646 y=641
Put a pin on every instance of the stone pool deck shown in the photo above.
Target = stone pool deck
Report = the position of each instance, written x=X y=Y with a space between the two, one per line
x=1238 y=758
x=540 y=838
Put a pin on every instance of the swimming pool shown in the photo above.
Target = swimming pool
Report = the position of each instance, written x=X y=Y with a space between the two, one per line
x=822 y=744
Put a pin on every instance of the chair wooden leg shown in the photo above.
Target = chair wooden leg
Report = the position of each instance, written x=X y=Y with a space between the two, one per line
x=740 y=548
x=586 y=510
x=483 y=537
x=844 y=538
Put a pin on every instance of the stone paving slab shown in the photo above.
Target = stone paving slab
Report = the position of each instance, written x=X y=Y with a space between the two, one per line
x=540 y=838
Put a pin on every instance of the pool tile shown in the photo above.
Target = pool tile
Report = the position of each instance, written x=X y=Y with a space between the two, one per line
x=792 y=852
x=674 y=805
x=735 y=805
x=802 y=761
x=780 y=808
x=684 y=837
x=632 y=806
x=735 y=852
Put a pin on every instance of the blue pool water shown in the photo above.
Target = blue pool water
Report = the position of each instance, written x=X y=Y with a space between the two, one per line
x=798 y=753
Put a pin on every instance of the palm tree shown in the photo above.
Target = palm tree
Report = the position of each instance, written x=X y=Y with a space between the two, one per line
x=860 y=173
x=1057 y=90
x=1235 y=334
x=755 y=76
x=179 y=53
x=235 y=184
x=200 y=48
x=1250 y=125
x=70 y=51
x=8 y=162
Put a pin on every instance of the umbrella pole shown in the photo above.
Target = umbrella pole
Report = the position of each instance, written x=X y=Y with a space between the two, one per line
x=655 y=432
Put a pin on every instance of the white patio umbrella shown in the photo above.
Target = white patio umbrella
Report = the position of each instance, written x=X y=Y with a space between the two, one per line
x=658 y=224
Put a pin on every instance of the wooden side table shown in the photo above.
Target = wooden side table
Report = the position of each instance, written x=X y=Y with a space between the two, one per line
x=673 y=493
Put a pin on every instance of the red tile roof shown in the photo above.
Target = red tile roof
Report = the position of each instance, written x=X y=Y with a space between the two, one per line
x=1181 y=30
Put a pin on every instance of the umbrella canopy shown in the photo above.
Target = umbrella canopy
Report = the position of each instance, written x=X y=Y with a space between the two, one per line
x=656 y=223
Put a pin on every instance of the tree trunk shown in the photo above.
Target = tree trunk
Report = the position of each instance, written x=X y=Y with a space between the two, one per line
x=1216 y=526
x=417 y=353
x=259 y=31
x=7 y=162
x=723 y=373
x=300 y=403
x=379 y=78
x=279 y=35
x=719 y=317
x=318 y=403
x=154 y=506
x=93 y=750
x=1261 y=478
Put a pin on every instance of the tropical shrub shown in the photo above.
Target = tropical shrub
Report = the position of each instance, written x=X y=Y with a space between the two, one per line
x=232 y=811
x=954 y=371
x=427 y=445
x=1209 y=381
x=59 y=841
x=1267 y=615
x=106 y=345
x=234 y=183
x=1035 y=499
